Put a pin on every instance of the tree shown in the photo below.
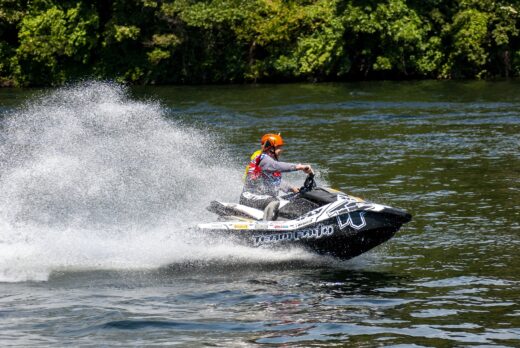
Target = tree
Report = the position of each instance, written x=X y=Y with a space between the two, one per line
x=55 y=42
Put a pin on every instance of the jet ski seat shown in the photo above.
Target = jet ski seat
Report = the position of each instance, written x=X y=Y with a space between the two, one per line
x=320 y=195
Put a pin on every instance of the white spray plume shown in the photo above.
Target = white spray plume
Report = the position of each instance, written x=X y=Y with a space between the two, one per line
x=90 y=178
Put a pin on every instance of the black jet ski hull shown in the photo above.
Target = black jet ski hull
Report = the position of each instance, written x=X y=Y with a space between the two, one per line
x=343 y=236
x=325 y=221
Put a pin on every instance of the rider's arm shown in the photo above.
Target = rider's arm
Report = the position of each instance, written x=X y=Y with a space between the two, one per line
x=270 y=165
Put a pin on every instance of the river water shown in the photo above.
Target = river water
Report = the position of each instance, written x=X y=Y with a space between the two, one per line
x=100 y=185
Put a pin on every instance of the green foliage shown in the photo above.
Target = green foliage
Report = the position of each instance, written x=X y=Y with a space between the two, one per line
x=469 y=34
x=11 y=13
x=481 y=34
x=45 y=42
x=121 y=32
x=318 y=50
x=389 y=37
x=52 y=42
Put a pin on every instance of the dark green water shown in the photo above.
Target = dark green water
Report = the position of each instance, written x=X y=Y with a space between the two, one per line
x=448 y=152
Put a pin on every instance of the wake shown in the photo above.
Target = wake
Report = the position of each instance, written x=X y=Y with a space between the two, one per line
x=92 y=179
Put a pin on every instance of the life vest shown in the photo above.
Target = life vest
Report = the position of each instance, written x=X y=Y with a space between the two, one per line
x=253 y=156
x=260 y=181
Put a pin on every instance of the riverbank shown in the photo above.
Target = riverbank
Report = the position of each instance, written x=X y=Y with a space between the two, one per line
x=49 y=43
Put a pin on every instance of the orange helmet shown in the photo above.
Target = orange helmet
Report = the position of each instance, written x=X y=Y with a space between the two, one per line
x=271 y=140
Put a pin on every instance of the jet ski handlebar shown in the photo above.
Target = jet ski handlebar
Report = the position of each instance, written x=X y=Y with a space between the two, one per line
x=309 y=183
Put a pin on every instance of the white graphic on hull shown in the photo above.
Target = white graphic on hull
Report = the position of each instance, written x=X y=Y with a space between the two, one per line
x=309 y=233
x=350 y=219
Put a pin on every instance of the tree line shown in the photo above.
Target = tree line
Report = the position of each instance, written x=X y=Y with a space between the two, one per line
x=51 y=42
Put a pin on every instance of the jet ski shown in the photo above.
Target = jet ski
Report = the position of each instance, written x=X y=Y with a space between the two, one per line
x=322 y=220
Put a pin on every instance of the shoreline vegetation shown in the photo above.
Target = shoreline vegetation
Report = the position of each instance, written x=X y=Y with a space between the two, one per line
x=52 y=42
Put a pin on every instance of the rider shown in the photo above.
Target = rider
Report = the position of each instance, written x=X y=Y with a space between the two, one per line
x=264 y=176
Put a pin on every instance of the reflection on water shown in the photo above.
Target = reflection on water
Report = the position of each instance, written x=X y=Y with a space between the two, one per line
x=447 y=152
